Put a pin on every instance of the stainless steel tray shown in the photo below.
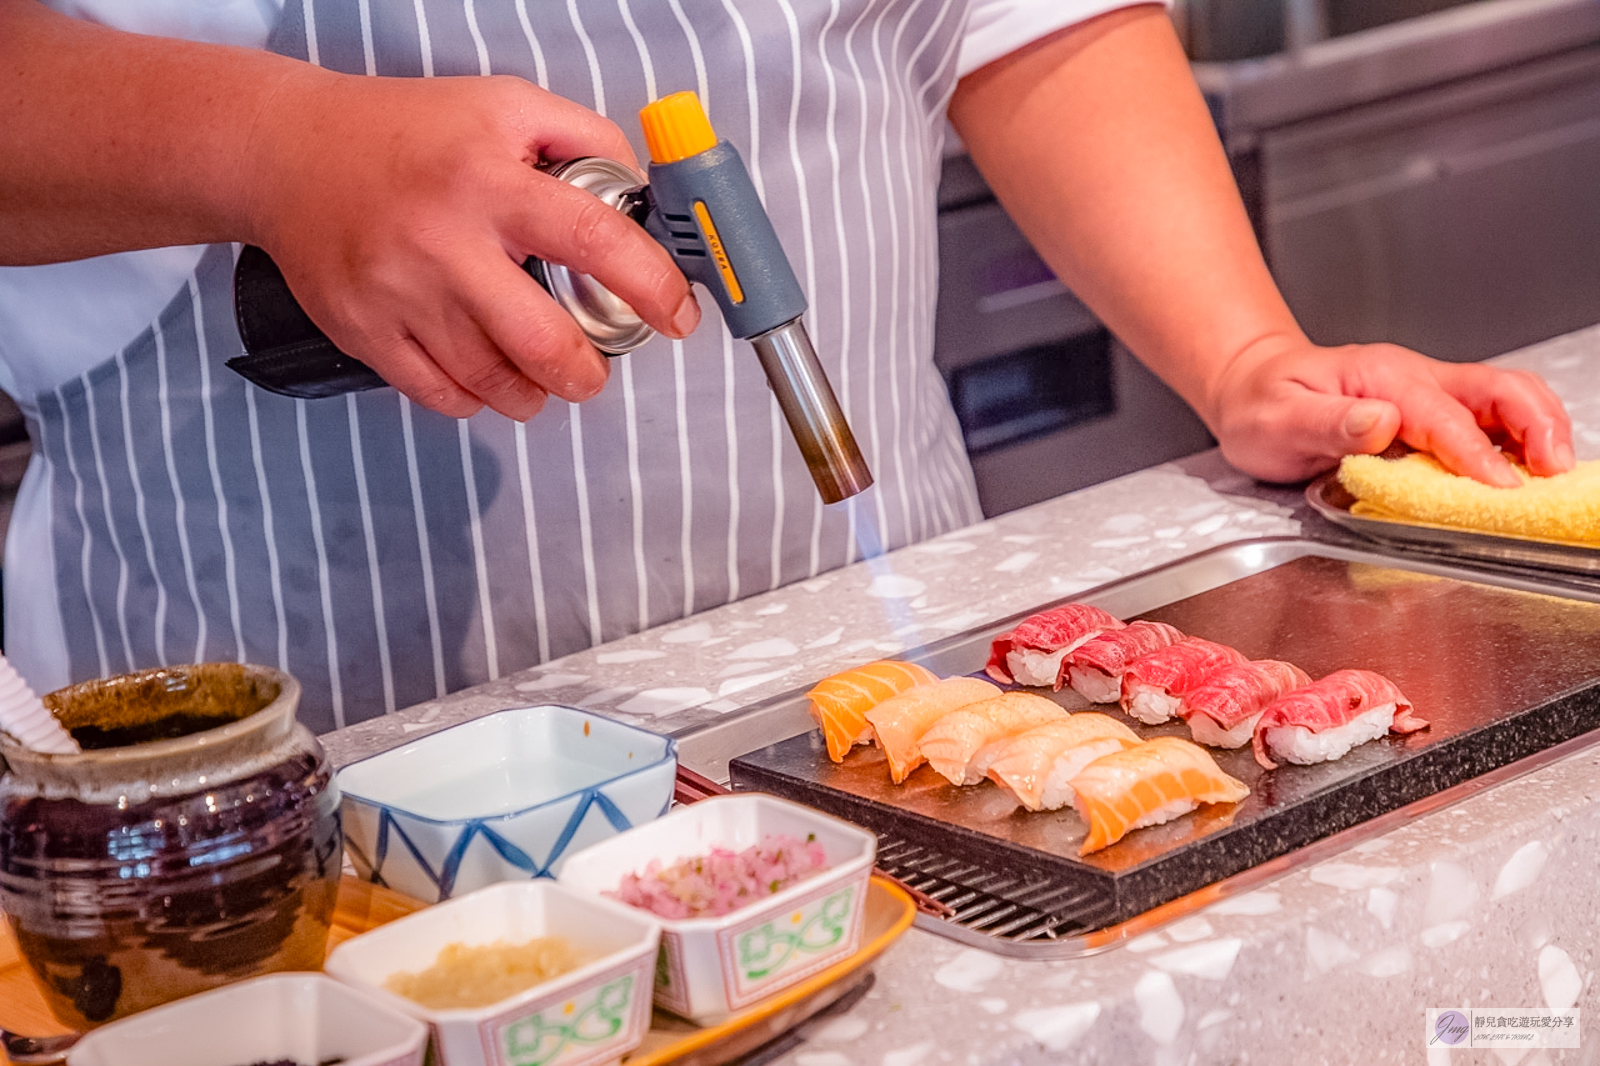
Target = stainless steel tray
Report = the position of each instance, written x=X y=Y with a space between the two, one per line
x=1330 y=500
x=1507 y=667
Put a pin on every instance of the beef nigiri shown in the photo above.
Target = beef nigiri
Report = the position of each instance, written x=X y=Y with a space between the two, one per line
x=1031 y=653
x=1154 y=684
x=1325 y=719
x=1148 y=784
x=1038 y=766
x=1222 y=712
x=1094 y=668
x=840 y=703
x=899 y=721
x=961 y=745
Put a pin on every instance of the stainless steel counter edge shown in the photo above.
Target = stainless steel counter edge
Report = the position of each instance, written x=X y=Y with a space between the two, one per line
x=1251 y=94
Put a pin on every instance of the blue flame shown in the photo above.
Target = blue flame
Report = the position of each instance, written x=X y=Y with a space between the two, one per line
x=869 y=541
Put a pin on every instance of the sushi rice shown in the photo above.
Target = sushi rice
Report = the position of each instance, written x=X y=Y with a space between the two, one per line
x=1205 y=730
x=1094 y=684
x=1152 y=704
x=1299 y=745
x=1030 y=666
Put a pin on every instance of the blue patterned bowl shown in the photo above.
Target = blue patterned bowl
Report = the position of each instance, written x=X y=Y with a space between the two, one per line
x=504 y=797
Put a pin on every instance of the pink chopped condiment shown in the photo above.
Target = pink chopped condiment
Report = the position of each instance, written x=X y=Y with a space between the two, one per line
x=707 y=886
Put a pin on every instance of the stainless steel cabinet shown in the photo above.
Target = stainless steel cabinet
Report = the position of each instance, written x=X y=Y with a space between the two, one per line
x=1429 y=177
x=1463 y=221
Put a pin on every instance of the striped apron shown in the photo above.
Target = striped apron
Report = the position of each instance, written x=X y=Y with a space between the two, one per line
x=386 y=555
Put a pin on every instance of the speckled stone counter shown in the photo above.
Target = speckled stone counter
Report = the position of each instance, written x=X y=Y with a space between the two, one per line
x=1489 y=902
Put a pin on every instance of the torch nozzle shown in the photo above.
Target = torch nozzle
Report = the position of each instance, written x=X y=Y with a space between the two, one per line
x=708 y=215
x=813 y=413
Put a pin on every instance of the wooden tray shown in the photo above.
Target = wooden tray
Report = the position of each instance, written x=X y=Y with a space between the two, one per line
x=362 y=906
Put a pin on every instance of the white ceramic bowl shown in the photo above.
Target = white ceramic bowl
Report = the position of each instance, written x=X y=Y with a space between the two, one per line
x=594 y=1014
x=305 y=1017
x=503 y=797
x=711 y=967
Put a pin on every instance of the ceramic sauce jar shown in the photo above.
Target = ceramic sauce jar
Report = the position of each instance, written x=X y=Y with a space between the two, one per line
x=194 y=842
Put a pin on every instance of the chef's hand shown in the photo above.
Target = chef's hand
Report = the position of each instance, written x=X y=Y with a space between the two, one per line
x=399 y=209
x=1285 y=410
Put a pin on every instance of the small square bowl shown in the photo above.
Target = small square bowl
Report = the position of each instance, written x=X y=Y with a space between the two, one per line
x=594 y=1014
x=304 y=1017
x=501 y=798
x=712 y=967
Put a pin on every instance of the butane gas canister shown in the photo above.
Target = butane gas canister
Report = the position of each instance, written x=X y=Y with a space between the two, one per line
x=611 y=325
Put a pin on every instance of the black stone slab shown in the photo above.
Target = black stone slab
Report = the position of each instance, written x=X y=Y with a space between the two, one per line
x=1500 y=672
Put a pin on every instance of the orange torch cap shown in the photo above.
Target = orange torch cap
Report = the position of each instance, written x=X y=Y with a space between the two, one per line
x=676 y=127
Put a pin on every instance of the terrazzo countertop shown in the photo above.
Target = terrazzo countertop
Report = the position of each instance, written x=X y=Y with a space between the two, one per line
x=1488 y=902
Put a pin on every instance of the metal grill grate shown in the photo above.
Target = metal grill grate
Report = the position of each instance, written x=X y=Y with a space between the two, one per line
x=992 y=901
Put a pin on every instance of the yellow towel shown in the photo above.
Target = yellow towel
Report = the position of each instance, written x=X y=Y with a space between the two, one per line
x=1416 y=488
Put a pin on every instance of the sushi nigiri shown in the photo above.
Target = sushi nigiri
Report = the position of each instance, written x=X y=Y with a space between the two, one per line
x=1223 y=711
x=1094 y=668
x=840 y=703
x=899 y=721
x=961 y=745
x=1031 y=653
x=1038 y=766
x=1154 y=684
x=1148 y=784
x=1325 y=719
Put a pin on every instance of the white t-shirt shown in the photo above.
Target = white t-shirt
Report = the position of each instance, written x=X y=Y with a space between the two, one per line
x=58 y=321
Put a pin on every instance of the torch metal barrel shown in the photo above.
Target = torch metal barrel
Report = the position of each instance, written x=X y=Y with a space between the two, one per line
x=813 y=413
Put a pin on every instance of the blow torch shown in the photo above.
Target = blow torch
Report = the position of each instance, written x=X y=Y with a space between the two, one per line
x=701 y=206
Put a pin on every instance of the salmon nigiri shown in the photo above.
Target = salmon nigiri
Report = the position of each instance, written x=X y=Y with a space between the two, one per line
x=1148 y=784
x=840 y=703
x=961 y=745
x=1031 y=653
x=899 y=721
x=1038 y=765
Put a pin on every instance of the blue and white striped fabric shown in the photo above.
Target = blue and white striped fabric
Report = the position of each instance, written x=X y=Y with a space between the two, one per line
x=384 y=554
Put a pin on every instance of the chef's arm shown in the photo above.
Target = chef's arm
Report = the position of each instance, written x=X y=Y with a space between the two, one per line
x=1098 y=143
x=398 y=208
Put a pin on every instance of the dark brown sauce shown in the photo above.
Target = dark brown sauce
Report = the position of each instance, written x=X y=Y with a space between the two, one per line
x=94 y=737
x=159 y=704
